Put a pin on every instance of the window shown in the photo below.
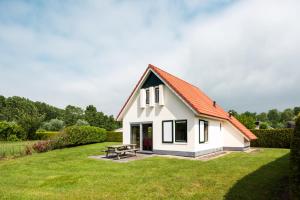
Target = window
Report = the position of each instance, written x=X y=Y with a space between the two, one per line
x=181 y=131
x=203 y=131
x=156 y=95
x=167 y=131
x=147 y=96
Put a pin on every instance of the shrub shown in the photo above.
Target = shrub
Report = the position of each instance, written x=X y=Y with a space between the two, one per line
x=45 y=135
x=272 y=138
x=114 y=136
x=263 y=125
x=11 y=128
x=82 y=122
x=53 y=125
x=295 y=163
x=13 y=138
x=42 y=146
x=79 y=135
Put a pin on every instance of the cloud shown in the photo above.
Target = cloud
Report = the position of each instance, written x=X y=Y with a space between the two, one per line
x=241 y=53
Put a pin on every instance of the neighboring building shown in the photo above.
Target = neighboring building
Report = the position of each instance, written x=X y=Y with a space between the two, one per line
x=166 y=115
x=290 y=124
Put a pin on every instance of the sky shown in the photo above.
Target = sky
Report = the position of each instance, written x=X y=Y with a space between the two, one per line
x=244 y=54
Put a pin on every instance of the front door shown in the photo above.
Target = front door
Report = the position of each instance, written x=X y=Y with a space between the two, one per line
x=135 y=135
x=147 y=136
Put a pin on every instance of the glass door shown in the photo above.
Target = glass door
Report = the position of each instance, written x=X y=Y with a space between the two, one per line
x=135 y=135
x=147 y=137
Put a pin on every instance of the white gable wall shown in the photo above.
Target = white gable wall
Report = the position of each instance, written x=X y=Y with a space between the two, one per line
x=232 y=137
x=173 y=109
x=215 y=139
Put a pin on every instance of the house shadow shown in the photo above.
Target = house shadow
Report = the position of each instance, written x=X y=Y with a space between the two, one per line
x=268 y=182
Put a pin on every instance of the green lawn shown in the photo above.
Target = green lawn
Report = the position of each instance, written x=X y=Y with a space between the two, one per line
x=70 y=174
x=13 y=149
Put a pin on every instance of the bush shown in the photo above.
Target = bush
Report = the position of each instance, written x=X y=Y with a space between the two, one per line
x=13 y=138
x=45 y=135
x=11 y=128
x=272 y=138
x=53 y=125
x=82 y=122
x=42 y=146
x=114 y=136
x=295 y=163
x=79 y=135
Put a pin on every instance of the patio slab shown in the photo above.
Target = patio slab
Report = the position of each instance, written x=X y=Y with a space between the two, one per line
x=124 y=159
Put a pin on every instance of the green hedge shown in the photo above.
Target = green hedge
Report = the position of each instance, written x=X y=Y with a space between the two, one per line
x=295 y=163
x=45 y=135
x=272 y=138
x=79 y=135
x=114 y=136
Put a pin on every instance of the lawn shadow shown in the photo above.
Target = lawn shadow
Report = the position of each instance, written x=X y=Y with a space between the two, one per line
x=268 y=182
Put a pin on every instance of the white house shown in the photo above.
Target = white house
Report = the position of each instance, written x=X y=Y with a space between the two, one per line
x=167 y=115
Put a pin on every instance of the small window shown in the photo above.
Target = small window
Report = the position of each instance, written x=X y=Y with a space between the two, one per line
x=147 y=96
x=156 y=95
x=181 y=131
x=203 y=131
x=220 y=126
x=167 y=131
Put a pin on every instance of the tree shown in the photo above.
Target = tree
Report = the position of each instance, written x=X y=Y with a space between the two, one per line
x=233 y=112
x=262 y=117
x=2 y=105
x=287 y=115
x=72 y=114
x=91 y=116
x=296 y=110
x=24 y=112
x=274 y=117
x=247 y=120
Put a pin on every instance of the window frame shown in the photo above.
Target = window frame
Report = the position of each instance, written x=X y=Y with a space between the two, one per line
x=147 y=96
x=181 y=120
x=162 y=125
x=205 y=135
x=156 y=95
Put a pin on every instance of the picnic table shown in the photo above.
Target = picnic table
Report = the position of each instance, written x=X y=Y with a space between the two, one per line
x=121 y=150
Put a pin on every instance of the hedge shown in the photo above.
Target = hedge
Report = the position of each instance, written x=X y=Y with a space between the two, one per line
x=114 y=136
x=273 y=138
x=79 y=135
x=295 y=163
x=45 y=135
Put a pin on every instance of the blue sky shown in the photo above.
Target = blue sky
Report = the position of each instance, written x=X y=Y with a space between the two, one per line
x=244 y=54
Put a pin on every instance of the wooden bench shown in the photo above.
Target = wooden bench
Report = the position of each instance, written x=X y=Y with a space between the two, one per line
x=119 y=150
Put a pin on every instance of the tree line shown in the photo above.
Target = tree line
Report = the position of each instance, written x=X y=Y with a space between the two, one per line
x=32 y=116
x=271 y=119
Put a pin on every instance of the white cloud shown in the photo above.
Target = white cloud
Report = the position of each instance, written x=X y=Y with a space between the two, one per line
x=242 y=53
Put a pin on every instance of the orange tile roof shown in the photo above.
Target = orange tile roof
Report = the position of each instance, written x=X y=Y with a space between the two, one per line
x=196 y=99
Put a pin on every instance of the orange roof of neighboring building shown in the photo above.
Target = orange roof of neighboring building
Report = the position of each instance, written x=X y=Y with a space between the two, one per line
x=196 y=99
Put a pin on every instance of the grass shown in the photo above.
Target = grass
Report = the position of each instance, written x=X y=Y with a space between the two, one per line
x=13 y=149
x=70 y=174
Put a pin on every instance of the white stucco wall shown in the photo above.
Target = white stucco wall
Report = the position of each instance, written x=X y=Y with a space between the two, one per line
x=232 y=136
x=215 y=139
x=174 y=109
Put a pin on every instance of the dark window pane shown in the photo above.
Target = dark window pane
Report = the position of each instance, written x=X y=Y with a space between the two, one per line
x=181 y=131
x=203 y=131
x=147 y=96
x=206 y=131
x=156 y=95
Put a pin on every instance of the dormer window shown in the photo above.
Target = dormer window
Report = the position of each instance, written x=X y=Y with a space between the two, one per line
x=147 y=96
x=157 y=95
